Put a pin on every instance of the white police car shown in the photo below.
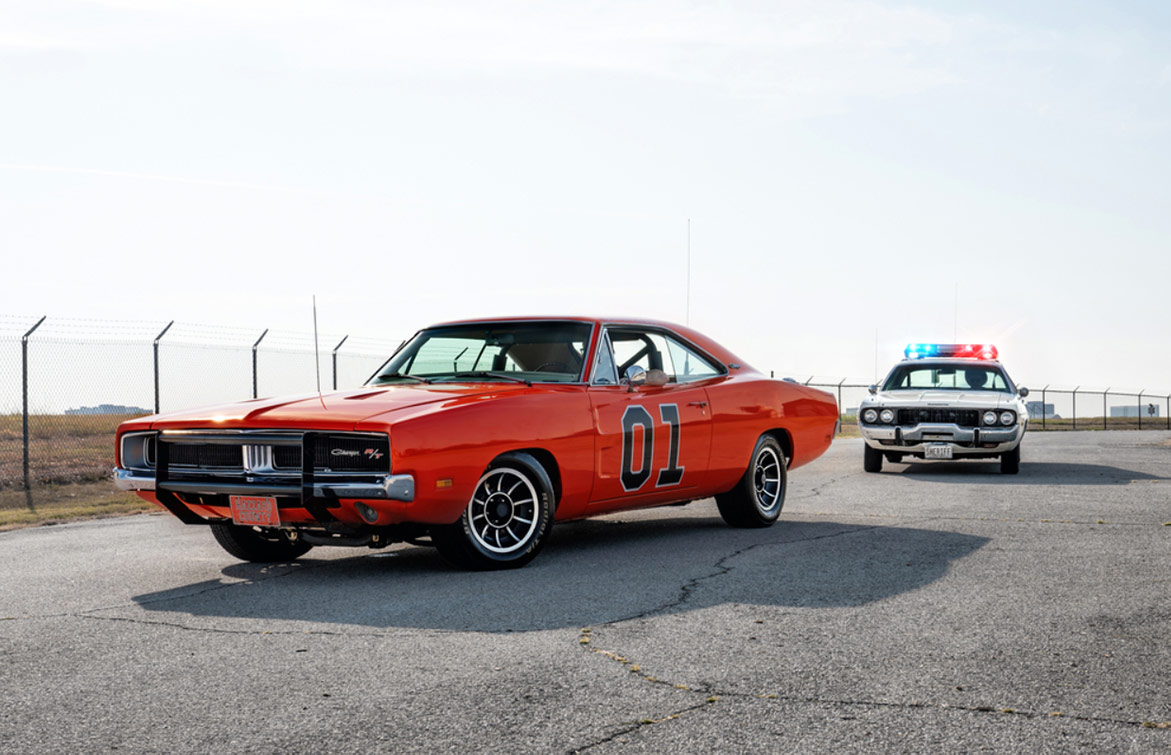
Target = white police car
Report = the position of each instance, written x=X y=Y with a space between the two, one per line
x=945 y=401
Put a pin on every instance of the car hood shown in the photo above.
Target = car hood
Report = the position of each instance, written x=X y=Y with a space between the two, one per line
x=962 y=399
x=340 y=410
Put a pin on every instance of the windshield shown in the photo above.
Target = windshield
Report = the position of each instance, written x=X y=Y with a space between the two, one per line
x=547 y=352
x=948 y=377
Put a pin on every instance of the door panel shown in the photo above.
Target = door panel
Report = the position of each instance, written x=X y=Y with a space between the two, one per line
x=651 y=444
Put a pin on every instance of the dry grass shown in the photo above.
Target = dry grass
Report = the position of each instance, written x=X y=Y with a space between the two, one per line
x=62 y=448
x=1096 y=423
x=63 y=503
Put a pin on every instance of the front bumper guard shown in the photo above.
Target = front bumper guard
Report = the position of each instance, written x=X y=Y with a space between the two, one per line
x=391 y=487
x=962 y=439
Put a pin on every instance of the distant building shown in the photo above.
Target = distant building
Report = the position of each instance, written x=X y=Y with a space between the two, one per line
x=1131 y=410
x=108 y=409
x=1036 y=411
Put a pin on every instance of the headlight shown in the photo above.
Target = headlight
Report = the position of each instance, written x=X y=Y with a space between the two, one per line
x=989 y=418
x=870 y=416
x=887 y=416
x=1007 y=418
x=138 y=451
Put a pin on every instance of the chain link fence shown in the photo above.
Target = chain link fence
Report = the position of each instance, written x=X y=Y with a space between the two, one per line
x=1050 y=407
x=66 y=384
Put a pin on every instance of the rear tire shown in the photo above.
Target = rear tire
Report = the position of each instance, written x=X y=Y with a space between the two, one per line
x=248 y=544
x=506 y=522
x=758 y=498
x=871 y=459
x=1010 y=462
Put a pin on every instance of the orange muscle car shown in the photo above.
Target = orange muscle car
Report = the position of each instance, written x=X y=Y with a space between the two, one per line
x=476 y=436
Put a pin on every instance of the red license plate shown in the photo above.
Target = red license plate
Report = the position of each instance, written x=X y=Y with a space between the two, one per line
x=255 y=510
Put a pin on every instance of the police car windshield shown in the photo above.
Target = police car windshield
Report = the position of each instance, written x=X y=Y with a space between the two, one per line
x=947 y=377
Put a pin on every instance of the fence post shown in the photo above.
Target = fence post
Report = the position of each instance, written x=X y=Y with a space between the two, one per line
x=158 y=338
x=1169 y=411
x=1044 y=411
x=810 y=380
x=255 y=346
x=840 y=406
x=1075 y=407
x=1104 y=412
x=1140 y=408
x=28 y=491
x=335 y=348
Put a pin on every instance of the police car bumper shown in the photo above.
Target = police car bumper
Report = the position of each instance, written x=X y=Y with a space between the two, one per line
x=964 y=441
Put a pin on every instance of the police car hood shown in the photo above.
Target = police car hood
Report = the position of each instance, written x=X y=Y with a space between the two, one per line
x=952 y=399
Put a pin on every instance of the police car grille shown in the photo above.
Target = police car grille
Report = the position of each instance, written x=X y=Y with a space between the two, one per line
x=962 y=417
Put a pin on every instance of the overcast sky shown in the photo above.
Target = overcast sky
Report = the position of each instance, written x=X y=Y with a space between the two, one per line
x=851 y=171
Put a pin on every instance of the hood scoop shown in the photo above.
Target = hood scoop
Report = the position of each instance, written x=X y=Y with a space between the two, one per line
x=361 y=396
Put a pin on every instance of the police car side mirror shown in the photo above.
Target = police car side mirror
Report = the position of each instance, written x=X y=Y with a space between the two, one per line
x=1023 y=391
x=634 y=377
x=873 y=389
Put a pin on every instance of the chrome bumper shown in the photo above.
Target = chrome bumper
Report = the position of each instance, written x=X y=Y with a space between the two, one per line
x=393 y=487
x=963 y=440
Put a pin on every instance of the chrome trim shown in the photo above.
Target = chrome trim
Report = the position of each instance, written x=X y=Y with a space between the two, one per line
x=127 y=479
x=913 y=438
x=395 y=487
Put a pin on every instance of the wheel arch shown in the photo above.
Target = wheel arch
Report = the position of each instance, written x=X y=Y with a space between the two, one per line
x=782 y=436
x=547 y=460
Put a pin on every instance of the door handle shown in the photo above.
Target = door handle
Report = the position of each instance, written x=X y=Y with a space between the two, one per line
x=700 y=404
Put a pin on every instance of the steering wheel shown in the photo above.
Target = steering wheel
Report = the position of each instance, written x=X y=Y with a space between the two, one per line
x=558 y=367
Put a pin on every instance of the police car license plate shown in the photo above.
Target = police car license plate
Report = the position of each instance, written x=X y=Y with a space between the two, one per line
x=937 y=451
x=254 y=510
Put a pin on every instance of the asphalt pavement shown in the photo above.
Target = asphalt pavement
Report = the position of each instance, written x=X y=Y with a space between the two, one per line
x=935 y=606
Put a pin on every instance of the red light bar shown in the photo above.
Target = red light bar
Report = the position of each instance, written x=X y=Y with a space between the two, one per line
x=951 y=350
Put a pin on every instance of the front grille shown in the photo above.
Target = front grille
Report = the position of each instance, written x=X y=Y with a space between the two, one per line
x=356 y=454
x=286 y=457
x=352 y=454
x=961 y=417
x=206 y=455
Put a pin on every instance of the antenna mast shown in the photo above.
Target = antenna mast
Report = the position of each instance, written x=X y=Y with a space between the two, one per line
x=316 y=350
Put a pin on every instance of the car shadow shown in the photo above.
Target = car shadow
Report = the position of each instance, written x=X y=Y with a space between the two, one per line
x=590 y=573
x=1031 y=473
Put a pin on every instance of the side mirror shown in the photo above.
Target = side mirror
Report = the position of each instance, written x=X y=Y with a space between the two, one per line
x=1023 y=391
x=634 y=377
x=873 y=389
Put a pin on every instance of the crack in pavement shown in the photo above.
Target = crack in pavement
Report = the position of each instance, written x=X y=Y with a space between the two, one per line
x=712 y=695
x=215 y=630
x=635 y=726
x=721 y=569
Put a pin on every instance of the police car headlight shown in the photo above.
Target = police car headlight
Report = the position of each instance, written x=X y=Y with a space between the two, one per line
x=989 y=418
x=1007 y=418
x=887 y=416
x=870 y=416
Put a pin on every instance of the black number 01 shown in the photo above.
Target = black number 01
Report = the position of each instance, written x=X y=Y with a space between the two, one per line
x=637 y=416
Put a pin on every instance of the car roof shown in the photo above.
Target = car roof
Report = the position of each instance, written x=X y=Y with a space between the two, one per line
x=712 y=347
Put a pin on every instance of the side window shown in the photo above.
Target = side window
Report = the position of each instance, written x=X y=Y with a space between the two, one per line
x=604 y=372
x=689 y=365
x=643 y=348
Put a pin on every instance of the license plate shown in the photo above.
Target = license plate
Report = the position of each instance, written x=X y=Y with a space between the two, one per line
x=937 y=451
x=255 y=510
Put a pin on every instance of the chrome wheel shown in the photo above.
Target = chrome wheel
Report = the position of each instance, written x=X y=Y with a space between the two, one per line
x=766 y=478
x=503 y=512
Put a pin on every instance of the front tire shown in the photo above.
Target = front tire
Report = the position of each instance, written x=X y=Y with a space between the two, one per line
x=757 y=499
x=248 y=544
x=871 y=459
x=506 y=522
x=1010 y=462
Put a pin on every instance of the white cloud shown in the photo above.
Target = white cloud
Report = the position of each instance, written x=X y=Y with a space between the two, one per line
x=829 y=47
